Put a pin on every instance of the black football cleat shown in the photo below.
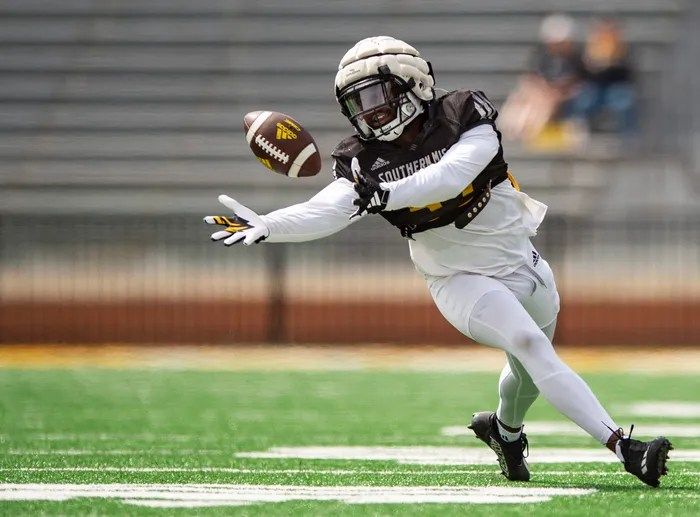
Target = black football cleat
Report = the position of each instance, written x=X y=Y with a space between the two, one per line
x=510 y=454
x=646 y=460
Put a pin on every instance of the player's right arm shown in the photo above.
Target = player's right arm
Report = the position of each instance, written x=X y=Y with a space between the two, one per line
x=324 y=214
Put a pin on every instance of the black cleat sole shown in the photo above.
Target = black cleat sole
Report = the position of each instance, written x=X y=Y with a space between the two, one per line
x=664 y=448
x=653 y=477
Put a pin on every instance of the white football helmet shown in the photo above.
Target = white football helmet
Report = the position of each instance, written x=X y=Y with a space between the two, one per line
x=382 y=85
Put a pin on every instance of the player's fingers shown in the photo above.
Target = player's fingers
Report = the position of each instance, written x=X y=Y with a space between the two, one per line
x=231 y=203
x=240 y=210
x=217 y=236
x=252 y=237
x=357 y=213
x=218 y=219
x=369 y=182
x=362 y=190
x=235 y=238
x=355 y=168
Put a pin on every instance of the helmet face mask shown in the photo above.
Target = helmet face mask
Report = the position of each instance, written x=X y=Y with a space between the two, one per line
x=378 y=106
x=382 y=85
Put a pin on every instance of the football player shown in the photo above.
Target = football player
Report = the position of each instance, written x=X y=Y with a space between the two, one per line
x=433 y=167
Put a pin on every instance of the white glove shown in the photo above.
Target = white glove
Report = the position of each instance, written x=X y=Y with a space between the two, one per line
x=244 y=225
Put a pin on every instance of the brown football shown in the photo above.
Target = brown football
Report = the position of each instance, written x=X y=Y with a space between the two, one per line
x=281 y=144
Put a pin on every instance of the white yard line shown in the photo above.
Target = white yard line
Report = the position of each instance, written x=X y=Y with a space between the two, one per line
x=419 y=455
x=661 y=408
x=558 y=428
x=111 y=452
x=147 y=437
x=198 y=495
x=332 y=472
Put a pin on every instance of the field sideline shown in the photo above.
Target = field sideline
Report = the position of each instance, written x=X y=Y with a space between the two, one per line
x=466 y=358
x=347 y=431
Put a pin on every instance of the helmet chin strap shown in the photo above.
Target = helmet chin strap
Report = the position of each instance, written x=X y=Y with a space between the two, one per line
x=391 y=135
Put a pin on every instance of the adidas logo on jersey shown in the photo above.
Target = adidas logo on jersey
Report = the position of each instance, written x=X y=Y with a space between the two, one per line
x=284 y=133
x=380 y=162
x=535 y=258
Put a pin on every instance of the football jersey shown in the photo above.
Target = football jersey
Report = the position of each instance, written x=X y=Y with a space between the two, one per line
x=494 y=241
x=448 y=118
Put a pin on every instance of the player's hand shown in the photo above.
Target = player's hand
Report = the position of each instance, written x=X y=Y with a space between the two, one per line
x=371 y=197
x=244 y=225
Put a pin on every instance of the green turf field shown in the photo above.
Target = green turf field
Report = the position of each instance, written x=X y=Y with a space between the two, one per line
x=190 y=439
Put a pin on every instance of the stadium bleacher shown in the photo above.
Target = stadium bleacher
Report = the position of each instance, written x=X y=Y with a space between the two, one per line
x=150 y=95
x=121 y=121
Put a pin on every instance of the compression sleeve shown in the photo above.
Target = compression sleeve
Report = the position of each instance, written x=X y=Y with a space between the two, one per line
x=459 y=166
x=324 y=214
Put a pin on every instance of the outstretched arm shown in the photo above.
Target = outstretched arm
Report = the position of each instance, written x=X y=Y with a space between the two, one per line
x=445 y=179
x=326 y=213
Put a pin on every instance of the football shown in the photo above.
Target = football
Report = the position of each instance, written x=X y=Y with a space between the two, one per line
x=281 y=144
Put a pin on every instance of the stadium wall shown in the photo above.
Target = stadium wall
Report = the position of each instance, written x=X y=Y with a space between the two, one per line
x=595 y=324
x=72 y=279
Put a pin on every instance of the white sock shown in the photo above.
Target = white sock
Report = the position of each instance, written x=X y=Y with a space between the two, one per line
x=508 y=436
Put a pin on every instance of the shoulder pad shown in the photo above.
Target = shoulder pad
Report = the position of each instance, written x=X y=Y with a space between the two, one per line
x=469 y=108
x=347 y=147
x=342 y=156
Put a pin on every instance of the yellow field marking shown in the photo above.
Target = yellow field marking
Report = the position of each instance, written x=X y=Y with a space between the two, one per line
x=321 y=358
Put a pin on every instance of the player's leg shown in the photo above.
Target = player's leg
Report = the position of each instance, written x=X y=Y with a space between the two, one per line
x=488 y=312
x=455 y=297
x=516 y=393
x=562 y=387
x=499 y=320
x=535 y=289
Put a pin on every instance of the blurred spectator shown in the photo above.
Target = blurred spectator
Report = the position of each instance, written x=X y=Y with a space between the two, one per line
x=606 y=100
x=555 y=76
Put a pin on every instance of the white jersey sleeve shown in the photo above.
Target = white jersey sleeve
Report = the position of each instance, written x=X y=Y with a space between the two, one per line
x=445 y=179
x=324 y=214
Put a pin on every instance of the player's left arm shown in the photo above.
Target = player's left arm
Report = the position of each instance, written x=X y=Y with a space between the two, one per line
x=458 y=167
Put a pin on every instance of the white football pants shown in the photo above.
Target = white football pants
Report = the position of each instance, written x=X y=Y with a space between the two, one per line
x=518 y=314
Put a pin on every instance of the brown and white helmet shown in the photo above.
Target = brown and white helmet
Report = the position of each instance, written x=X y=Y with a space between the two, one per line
x=382 y=85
